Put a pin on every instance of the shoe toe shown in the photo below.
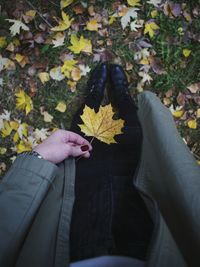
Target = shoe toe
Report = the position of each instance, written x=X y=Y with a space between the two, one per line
x=117 y=73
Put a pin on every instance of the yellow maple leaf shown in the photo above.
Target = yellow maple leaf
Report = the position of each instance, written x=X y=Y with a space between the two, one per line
x=3 y=42
x=64 y=24
x=61 y=106
x=150 y=28
x=44 y=77
x=79 y=45
x=134 y=2
x=24 y=145
x=186 y=52
x=7 y=129
x=192 y=124
x=101 y=124
x=68 y=67
x=65 y=3
x=23 y=101
x=92 y=25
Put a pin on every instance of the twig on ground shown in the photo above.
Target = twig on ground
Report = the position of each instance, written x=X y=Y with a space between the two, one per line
x=42 y=17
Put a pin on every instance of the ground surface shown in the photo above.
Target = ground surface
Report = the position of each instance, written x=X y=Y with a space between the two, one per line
x=44 y=68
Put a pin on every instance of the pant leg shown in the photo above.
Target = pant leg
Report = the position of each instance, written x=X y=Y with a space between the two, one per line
x=91 y=234
x=131 y=223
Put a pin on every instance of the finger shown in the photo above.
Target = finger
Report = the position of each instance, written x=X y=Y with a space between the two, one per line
x=76 y=151
x=71 y=137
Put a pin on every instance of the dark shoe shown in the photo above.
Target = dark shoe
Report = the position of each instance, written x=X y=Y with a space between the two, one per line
x=96 y=84
x=119 y=85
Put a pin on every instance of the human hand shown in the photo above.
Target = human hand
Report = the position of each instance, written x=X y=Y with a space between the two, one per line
x=61 y=144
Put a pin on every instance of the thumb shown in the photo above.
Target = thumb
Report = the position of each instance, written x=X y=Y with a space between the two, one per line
x=76 y=151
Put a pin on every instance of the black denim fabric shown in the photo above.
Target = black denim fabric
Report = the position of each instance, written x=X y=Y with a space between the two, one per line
x=109 y=216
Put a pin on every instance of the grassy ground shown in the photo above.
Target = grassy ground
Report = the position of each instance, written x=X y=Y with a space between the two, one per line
x=171 y=75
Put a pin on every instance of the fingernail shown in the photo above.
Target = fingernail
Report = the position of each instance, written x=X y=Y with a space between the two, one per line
x=85 y=148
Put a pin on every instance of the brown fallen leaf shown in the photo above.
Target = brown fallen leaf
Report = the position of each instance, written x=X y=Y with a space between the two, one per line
x=156 y=65
x=194 y=88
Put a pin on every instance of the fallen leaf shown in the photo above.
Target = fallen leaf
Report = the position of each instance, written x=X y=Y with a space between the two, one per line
x=17 y=25
x=56 y=74
x=93 y=25
x=155 y=3
x=126 y=19
x=76 y=74
x=65 y=3
x=23 y=146
x=3 y=42
x=68 y=67
x=44 y=77
x=186 y=52
x=23 y=101
x=72 y=85
x=194 y=88
x=156 y=65
x=58 y=39
x=101 y=124
x=198 y=113
x=134 y=3
x=150 y=28
x=84 y=69
x=6 y=130
x=61 y=106
x=47 y=116
x=3 y=150
x=64 y=24
x=192 y=124
x=79 y=45
x=29 y=16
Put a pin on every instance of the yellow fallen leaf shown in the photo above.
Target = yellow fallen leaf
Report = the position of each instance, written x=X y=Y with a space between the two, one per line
x=9 y=65
x=178 y=113
x=24 y=145
x=186 y=52
x=192 y=124
x=7 y=129
x=14 y=125
x=47 y=116
x=198 y=162
x=150 y=28
x=3 y=150
x=92 y=25
x=23 y=101
x=3 y=42
x=154 y=13
x=76 y=74
x=31 y=13
x=198 y=113
x=111 y=20
x=79 y=45
x=65 y=3
x=44 y=77
x=10 y=47
x=68 y=67
x=64 y=24
x=19 y=57
x=61 y=106
x=101 y=124
x=72 y=85
x=144 y=61
x=134 y=3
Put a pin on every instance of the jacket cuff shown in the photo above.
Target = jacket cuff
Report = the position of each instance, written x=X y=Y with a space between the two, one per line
x=41 y=167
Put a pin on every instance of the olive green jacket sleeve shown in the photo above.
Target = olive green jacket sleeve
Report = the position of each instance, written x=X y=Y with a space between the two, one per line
x=21 y=193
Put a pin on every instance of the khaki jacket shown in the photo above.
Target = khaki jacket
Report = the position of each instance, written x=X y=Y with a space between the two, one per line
x=36 y=200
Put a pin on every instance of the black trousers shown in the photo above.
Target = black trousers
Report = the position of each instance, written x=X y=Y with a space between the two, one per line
x=109 y=216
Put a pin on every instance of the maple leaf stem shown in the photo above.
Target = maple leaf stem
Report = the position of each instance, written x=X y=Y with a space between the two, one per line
x=42 y=17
